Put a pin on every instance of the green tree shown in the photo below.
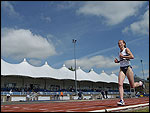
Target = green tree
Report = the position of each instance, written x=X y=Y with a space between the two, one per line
x=71 y=69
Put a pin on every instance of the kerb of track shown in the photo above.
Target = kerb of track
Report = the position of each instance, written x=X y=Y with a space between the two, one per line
x=121 y=108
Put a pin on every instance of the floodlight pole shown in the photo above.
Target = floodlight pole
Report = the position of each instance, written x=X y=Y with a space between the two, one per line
x=74 y=41
x=142 y=69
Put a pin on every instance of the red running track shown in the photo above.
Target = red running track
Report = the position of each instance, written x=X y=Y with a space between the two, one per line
x=71 y=106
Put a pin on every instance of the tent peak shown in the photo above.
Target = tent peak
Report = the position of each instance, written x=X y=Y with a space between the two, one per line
x=24 y=60
x=92 y=69
x=103 y=71
x=46 y=63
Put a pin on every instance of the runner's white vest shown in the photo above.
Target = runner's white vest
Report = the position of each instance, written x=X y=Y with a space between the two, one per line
x=123 y=61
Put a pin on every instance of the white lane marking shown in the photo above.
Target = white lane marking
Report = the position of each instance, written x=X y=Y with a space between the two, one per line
x=42 y=109
x=8 y=110
x=119 y=108
x=15 y=107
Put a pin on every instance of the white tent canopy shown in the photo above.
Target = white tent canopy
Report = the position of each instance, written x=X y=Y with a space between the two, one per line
x=46 y=71
x=96 y=77
x=106 y=77
x=65 y=73
x=82 y=76
x=114 y=77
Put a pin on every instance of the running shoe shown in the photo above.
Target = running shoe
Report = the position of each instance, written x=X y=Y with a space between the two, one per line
x=141 y=84
x=121 y=102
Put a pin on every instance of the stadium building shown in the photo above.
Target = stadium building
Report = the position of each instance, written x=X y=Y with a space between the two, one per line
x=24 y=77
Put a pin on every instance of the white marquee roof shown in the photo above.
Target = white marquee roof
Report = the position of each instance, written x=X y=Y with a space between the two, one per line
x=95 y=77
x=46 y=71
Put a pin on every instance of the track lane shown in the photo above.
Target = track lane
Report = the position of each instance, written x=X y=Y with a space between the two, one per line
x=76 y=106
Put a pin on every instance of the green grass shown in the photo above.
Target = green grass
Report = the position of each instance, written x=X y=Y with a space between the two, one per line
x=145 y=109
x=142 y=110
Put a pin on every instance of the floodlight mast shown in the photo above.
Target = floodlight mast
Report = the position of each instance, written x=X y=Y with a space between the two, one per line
x=74 y=41
x=142 y=69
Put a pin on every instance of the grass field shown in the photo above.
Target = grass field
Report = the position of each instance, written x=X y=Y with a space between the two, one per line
x=145 y=109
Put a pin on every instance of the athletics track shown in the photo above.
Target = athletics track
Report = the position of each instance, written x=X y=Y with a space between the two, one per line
x=75 y=105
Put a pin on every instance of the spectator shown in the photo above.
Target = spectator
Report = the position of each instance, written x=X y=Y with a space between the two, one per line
x=102 y=92
x=61 y=94
x=106 y=93
x=80 y=95
x=7 y=97
x=28 y=98
x=57 y=95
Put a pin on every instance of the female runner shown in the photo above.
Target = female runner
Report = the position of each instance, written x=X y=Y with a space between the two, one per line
x=125 y=69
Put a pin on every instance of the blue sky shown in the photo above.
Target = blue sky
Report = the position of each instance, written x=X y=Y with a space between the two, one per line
x=43 y=31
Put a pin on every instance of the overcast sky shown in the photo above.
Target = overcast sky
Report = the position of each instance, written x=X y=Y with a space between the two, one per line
x=43 y=31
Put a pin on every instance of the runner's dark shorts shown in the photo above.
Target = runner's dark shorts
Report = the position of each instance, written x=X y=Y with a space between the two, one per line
x=124 y=69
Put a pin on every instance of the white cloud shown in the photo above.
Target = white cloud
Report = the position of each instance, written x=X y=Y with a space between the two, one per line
x=95 y=61
x=146 y=73
x=139 y=27
x=135 y=67
x=21 y=43
x=46 y=18
x=114 y=12
x=116 y=71
x=55 y=40
x=35 y=62
x=9 y=9
x=64 y=5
